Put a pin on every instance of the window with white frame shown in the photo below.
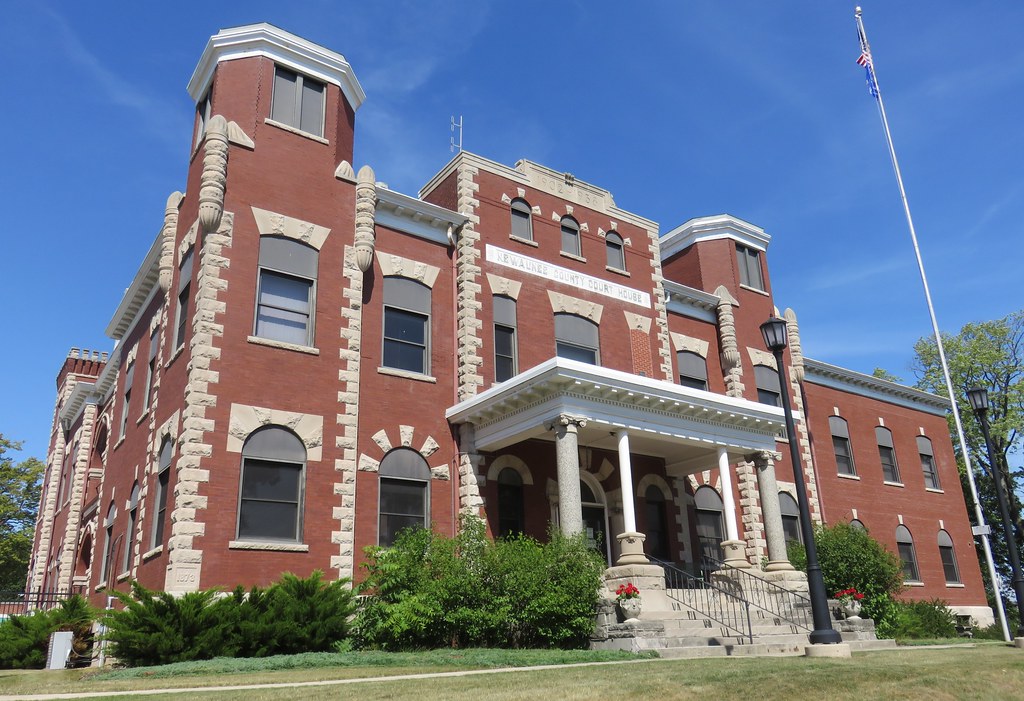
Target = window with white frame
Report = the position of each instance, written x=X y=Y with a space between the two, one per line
x=406 y=325
x=129 y=378
x=163 y=483
x=749 y=262
x=154 y=339
x=133 y=519
x=615 y=251
x=286 y=299
x=887 y=455
x=298 y=101
x=271 y=492
x=184 y=286
x=841 y=445
x=404 y=494
x=907 y=553
x=522 y=219
x=576 y=338
x=948 y=558
x=570 y=236
x=505 y=346
x=693 y=370
x=928 y=466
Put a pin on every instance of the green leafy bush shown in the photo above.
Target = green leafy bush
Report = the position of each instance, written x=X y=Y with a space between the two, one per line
x=430 y=591
x=24 y=639
x=922 y=619
x=849 y=557
x=290 y=616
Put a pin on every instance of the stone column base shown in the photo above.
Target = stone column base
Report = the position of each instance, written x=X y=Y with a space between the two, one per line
x=631 y=545
x=833 y=650
x=1018 y=642
x=736 y=554
x=648 y=578
x=779 y=566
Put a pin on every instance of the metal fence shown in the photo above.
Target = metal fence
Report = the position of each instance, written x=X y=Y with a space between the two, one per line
x=19 y=603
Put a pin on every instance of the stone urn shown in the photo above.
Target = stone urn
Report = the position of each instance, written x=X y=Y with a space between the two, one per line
x=851 y=609
x=630 y=609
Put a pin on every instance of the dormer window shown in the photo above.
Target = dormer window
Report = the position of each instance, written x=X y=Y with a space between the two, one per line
x=749 y=263
x=298 y=102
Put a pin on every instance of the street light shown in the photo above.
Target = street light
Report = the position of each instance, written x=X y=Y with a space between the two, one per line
x=978 y=397
x=776 y=338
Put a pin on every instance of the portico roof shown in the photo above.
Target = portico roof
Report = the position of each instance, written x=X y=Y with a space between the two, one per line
x=662 y=418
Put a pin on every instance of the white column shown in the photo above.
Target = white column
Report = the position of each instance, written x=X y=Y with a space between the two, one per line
x=728 y=504
x=626 y=481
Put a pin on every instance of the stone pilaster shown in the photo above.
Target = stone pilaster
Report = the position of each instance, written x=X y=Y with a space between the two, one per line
x=470 y=480
x=796 y=376
x=167 y=235
x=664 y=362
x=48 y=500
x=80 y=473
x=750 y=511
x=366 y=207
x=731 y=365
x=468 y=276
x=196 y=440
x=348 y=414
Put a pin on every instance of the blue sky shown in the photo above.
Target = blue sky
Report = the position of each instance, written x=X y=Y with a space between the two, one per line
x=680 y=109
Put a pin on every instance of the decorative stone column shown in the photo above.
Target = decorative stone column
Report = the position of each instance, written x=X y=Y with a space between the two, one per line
x=778 y=560
x=567 y=455
x=735 y=549
x=631 y=543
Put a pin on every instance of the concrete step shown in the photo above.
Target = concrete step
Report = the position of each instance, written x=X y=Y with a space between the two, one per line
x=690 y=653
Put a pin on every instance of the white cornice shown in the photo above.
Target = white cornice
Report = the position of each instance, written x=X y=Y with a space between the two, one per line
x=283 y=47
x=691 y=302
x=138 y=293
x=416 y=217
x=546 y=180
x=833 y=376
x=721 y=226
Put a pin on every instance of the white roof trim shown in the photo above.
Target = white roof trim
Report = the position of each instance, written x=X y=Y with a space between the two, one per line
x=283 y=47
x=416 y=217
x=87 y=392
x=720 y=226
x=872 y=387
x=138 y=294
x=691 y=302
x=514 y=410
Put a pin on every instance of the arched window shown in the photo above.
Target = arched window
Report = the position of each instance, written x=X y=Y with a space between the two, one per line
x=286 y=300
x=693 y=370
x=570 y=236
x=768 y=389
x=108 y=541
x=576 y=338
x=505 y=346
x=907 y=553
x=133 y=519
x=790 y=518
x=931 y=472
x=510 y=503
x=270 y=498
x=890 y=470
x=163 y=485
x=710 y=526
x=841 y=445
x=406 y=325
x=615 y=251
x=657 y=523
x=948 y=558
x=522 y=220
x=859 y=525
x=404 y=493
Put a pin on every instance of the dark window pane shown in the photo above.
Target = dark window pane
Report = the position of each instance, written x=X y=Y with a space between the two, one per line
x=504 y=352
x=403 y=356
x=283 y=107
x=615 y=256
x=693 y=382
x=400 y=325
x=949 y=564
x=844 y=460
x=584 y=355
x=765 y=396
x=271 y=481
x=271 y=520
x=391 y=525
x=909 y=560
x=570 y=241
x=510 y=503
x=931 y=475
x=890 y=472
x=521 y=221
x=402 y=497
x=312 y=107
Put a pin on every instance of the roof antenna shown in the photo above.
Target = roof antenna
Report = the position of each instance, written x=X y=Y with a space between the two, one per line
x=453 y=147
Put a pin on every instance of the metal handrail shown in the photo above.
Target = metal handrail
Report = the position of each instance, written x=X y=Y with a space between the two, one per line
x=789 y=606
x=712 y=601
x=19 y=603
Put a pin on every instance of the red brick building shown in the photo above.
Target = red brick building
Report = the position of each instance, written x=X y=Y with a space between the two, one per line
x=307 y=362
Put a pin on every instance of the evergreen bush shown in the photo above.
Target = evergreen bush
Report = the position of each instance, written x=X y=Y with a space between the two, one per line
x=24 y=639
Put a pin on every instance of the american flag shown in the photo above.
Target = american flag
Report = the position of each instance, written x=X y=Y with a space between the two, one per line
x=867 y=63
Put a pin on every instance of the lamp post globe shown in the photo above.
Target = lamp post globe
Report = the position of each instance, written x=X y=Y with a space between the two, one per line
x=978 y=397
x=775 y=332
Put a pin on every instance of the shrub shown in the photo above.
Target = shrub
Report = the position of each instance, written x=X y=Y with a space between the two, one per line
x=849 y=557
x=24 y=639
x=428 y=590
x=922 y=619
x=290 y=616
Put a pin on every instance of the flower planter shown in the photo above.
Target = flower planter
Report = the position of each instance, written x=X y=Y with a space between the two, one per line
x=851 y=609
x=630 y=609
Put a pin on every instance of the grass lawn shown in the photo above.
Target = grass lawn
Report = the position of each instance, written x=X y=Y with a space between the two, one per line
x=984 y=671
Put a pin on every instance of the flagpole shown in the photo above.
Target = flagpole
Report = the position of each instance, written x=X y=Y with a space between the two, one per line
x=982 y=528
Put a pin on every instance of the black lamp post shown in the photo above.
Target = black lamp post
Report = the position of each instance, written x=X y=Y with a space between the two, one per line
x=776 y=338
x=978 y=397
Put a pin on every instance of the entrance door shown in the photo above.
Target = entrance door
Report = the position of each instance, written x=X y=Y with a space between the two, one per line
x=594 y=521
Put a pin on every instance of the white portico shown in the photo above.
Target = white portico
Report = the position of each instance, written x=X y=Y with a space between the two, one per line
x=579 y=404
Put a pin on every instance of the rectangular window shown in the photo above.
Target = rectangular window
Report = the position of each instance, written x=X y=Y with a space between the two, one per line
x=163 y=483
x=298 y=101
x=406 y=325
x=749 y=263
x=184 y=286
x=693 y=370
x=129 y=376
x=769 y=391
x=909 y=560
x=283 y=310
x=154 y=339
x=890 y=470
x=271 y=494
x=203 y=110
x=576 y=338
x=841 y=445
x=504 y=338
x=928 y=467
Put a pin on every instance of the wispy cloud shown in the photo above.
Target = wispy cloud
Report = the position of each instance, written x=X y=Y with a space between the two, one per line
x=831 y=277
x=992 y=212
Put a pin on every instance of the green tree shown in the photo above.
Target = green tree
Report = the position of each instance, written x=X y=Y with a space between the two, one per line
x=19 y=502
x=988 y=354
x=883 y=374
